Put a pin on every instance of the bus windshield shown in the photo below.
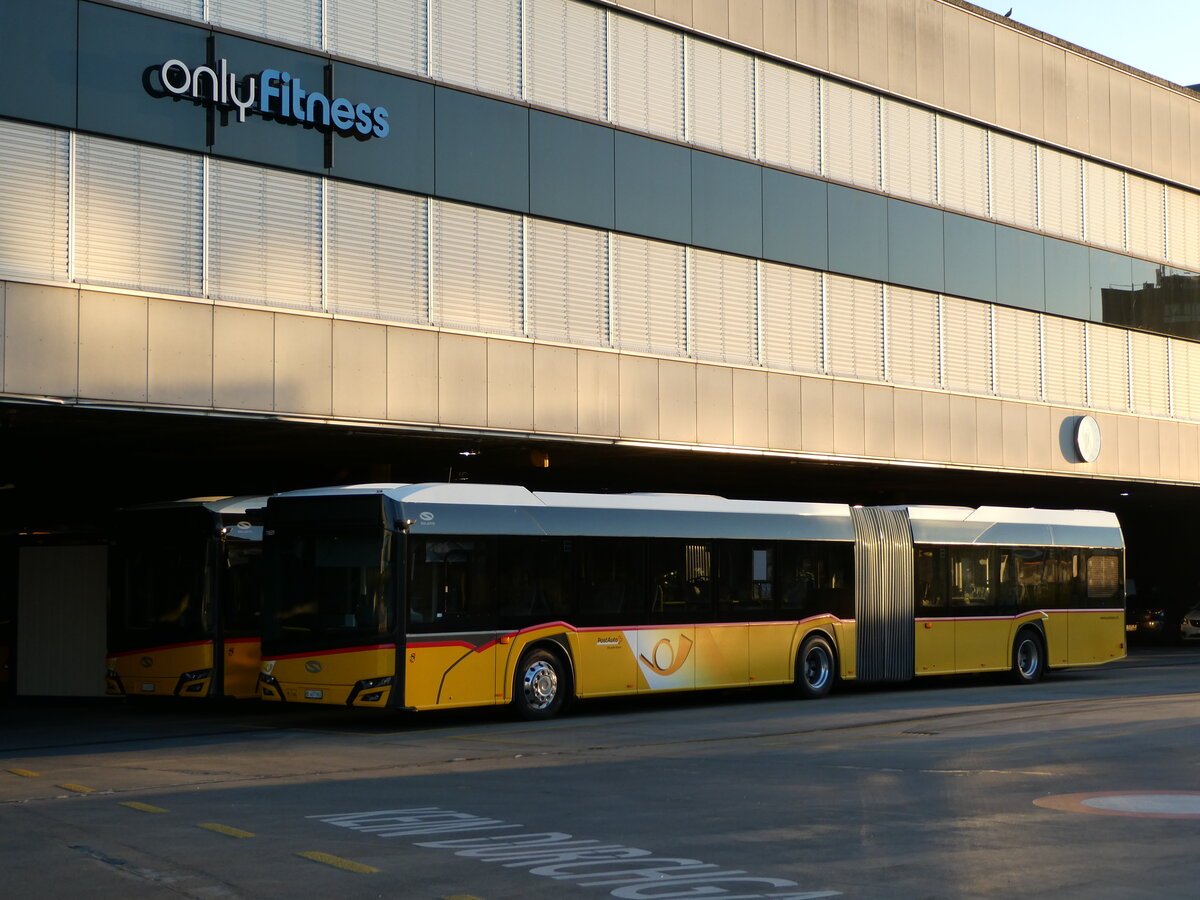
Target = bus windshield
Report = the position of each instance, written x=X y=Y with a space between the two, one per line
x=330 y=588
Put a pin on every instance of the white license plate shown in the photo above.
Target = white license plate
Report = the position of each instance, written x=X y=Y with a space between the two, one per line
x=148 y=688
x=313 y=695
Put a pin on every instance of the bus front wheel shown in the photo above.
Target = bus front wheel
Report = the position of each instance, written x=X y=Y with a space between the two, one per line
x=541 y=686
x=1028 y=657
x=814 y=668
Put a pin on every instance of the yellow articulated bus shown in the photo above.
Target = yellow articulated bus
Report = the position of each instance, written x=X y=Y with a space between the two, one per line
x=433 y=596
x=185 y=596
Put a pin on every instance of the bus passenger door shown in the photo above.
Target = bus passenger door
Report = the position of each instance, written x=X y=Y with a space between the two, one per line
x=681 y=595
x=934 y=643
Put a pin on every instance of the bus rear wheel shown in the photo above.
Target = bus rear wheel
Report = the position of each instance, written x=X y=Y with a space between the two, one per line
x=541 y=686
x=814 y=668
x=1028 y=657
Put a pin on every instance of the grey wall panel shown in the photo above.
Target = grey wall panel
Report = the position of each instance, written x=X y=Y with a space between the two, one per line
x=1042 y=437
x=990 y=46
x=849 y=430
x=711 y=16
x=714 y=401
x=510 y=385
x=1161 y=148
x=813 y=33
x=1062 y=454
x=908 y=416
x=816 y=415
x=180 y=353
x=599 y=393
x=1141 y=121
x=1129 y=444
x=964 y=431
x=112 y=347
x=783 y=411
x=1033 y=104
x=3 y=291
x=41 y=340
x=750 y=408
x=746 y=18
x=1120 y=118
x=359 y=370
x=1016 y=435
x=677 y=401
x=843 y=37
x=1078 y=100
x=779 y=28
x=879 y=421
x=1194 y=123
x=640 y=397
x=672 y=10
x=1149 y=448
x=931 y=53
x=935 y=423
x=873 y=42
x=303 y=364
x=1168 y=449
x=1189 y=452
x=989 y=419
x=1054 y=93
x=555 y=389
x=1108 y=463
x=462 y=368
x=413 y=374
x=902 y=28
x=1181 y=138
x=243 y=358
x=1099 y=110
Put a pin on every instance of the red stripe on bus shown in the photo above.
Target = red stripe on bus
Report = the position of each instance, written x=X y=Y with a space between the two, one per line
x=159 y=649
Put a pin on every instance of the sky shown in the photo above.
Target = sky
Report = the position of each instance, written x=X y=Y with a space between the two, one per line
x=1161 y=37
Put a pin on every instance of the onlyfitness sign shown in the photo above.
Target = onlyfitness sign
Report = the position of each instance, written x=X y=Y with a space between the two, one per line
x=273 y=94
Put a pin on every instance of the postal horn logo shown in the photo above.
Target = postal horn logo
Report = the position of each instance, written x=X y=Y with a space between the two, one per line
x=312 y=667
x=664 y=659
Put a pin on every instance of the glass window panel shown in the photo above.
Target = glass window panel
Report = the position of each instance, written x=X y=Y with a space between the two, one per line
x=377 y=253
x=571 y=170
x=915 y=245
x=1111 y=276
x=482 y=150
x=974 y=579
x=567 y=56
x=34 y=177
x=727 y=207
x=476 y=280
x=1068 y=275
x=478 y=45
x=789 y=113
x=1061 y=193
x=391 y=33
x=909 y=158
x=646 y=77
x=966 y=346
x=720 y=94
x=45 y=56
x=913 y=341
x=858 y=233
x=568 y=283
x=791 y=318
x=723 y=298
x=1013 y=166
x=854 y=328
x=850 y=134
x=1021 y=268
x=815 y=577
x=970 y=257
x=1177 y=304
x=648 y=292
x=654 y=188
x=963 y=168
x=795 y=219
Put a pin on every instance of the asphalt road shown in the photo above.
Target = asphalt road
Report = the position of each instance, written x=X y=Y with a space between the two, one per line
x=1086 y=785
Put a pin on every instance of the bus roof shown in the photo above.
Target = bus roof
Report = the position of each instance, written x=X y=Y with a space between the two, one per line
x=466 y=508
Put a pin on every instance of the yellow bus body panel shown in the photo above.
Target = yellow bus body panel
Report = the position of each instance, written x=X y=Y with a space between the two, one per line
x=1057 y=642
x=447 y=675
x=772 y=648
x=334 y=677
x=982 y=644
x=243 y=660
x=934 y=646
x=155 y=671
x=1095 y=636
x=605 y=663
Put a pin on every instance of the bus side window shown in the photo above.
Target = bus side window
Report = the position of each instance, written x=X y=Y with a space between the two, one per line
x=929 y=576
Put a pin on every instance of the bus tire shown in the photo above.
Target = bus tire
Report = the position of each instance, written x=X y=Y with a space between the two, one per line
x=542 y=685
x=815 y=669
x=1028 y=656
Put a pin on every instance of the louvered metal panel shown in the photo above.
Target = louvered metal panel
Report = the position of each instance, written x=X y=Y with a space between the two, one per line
x=723 y=299
x=1108 y=367
x=1066 y=360
x=185 y=9
x=789 y=113
x=568 y=56
x=568 y=284
x=648 y=297
x=138 y=217
x=1104 y=202
x=392 y=33
x=851 y=135
x=1183 y=233
x=1017 y=346
x=720 y=96
x=34 y=175
x=1060 y=193
x=378 y=253
x=1185 y=380
x=854 y=328
x=646 y=77
x=963 y=166
x=294 y=21
x=478 y=45
x=913 y=342
x=1013 y=168
x=790 y=306
x=1150 y=389
x=1146 y=217
x=884 y=606
x=476 y=281
x=966 y=346
x=909 y=159
x=264 y=236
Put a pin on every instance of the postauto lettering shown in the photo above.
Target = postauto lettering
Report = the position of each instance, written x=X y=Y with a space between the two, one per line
x=272 y=93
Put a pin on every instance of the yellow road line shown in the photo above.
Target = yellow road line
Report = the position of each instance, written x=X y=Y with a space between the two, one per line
x=24 y=773
x=143 y=807
x=225 y=829
x=77 y=788
x=337 y=862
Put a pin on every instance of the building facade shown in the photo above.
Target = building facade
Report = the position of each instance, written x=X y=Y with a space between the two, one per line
x=904 y=233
